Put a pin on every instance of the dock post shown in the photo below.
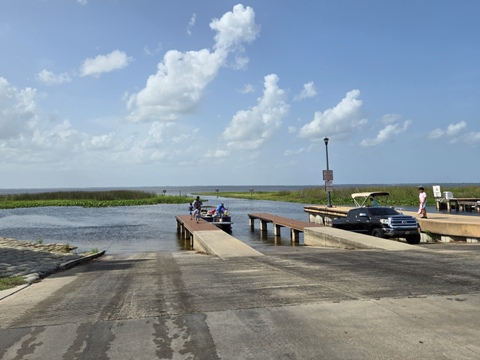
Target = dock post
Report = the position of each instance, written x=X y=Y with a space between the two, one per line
x=252 y=223
x=295 y=236
x=276 y=229
x=263 y=225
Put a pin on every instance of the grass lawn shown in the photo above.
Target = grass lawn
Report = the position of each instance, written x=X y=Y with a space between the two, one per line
x=11 y=282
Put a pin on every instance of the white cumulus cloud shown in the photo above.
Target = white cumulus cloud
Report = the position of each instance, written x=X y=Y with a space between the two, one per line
x=50 y=78
x=308 y=91
x=191 y=23
x=394 y=127
x=181 y=78
x=249 y=129
x=235 y=28
x=105 y=63
x=454 y=129
x=451 y=131
x=455 y=133
x=18 y=109
x=340 y=121
x=247 y=89
x=473 y=138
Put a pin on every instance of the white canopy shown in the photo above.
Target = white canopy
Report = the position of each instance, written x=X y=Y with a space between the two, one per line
x=361 y=198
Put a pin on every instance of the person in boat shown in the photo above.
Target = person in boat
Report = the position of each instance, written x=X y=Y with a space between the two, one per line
x=374 y=201
x=220 y=210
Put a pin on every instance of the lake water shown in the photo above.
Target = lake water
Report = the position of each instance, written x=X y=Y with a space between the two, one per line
x=144 y=228
x=135 y=228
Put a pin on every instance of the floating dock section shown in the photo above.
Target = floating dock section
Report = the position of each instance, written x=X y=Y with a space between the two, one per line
x=296 y=226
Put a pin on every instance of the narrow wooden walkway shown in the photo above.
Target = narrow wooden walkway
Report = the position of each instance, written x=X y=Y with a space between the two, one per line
x=296 y=226
x=210 y=239
x=187 y=226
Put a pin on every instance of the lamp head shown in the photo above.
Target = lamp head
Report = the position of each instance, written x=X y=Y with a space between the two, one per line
x=326 y=140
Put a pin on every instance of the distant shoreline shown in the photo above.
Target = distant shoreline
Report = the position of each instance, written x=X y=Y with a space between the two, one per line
x=189 y=189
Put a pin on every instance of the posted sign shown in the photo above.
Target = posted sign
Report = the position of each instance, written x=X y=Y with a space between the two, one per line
x=328 y=175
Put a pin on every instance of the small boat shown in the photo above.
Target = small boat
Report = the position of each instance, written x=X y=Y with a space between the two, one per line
x=222 y=220
x=361 y=199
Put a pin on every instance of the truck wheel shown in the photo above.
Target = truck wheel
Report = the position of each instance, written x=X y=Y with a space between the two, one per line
x=378 y=233
x=413 y=239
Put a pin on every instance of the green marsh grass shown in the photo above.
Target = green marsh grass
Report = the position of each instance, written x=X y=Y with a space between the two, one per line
x=401 y=195
x=88 y=199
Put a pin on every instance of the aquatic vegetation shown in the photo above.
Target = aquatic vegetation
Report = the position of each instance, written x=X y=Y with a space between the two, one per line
x=401 y=195
x=88 y=199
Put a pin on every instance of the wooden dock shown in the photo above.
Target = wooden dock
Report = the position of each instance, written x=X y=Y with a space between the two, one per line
x=324 y=215
x=459 y=204
x=209 y=239
x=296 y=226
x=187 y=225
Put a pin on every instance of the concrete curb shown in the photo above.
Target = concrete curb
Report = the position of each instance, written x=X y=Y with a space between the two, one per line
x=337 y=238
x=62 y=267
x=70 y=264
x=33 y=277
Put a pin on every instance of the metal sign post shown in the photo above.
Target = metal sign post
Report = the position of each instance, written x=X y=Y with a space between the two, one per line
x=328 y=176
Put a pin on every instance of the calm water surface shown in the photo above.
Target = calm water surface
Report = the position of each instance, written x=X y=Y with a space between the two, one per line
x=134 y=228
x=140 y=228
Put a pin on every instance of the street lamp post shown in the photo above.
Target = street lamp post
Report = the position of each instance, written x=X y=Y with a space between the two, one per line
x=328 y=188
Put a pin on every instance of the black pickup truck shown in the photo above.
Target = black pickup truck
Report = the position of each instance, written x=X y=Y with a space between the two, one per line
x=380 y=221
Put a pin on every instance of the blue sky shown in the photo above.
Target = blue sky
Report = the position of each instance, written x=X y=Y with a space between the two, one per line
x=162 y=93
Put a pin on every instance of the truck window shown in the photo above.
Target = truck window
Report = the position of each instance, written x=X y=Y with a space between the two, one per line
x=354 y=213
x=383 y=211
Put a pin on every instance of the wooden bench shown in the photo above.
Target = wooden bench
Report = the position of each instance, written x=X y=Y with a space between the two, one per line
x=296 y=226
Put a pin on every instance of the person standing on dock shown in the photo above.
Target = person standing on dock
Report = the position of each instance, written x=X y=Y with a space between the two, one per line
x=197 y=204
x=422 y=197
x=196 y=214
x=190 y=210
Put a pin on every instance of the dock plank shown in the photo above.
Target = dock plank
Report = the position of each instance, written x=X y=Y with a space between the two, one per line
x=298 y=225
x=192 y=225
x=208 y=238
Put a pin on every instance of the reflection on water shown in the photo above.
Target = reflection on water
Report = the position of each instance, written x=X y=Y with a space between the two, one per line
x=134 y=228
x=138 y=228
